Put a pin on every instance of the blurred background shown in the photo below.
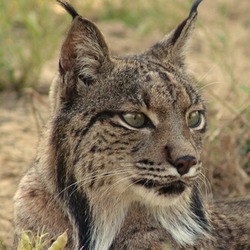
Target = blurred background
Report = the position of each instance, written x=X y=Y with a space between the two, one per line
x=31 y=32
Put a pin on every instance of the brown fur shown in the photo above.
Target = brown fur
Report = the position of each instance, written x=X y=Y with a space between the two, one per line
x=111 y=184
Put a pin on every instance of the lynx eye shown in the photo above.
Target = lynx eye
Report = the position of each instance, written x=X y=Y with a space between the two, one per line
x=195 y=120
x=136 y=120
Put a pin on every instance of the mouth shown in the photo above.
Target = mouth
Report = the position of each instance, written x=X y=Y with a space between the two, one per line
x=173 y=188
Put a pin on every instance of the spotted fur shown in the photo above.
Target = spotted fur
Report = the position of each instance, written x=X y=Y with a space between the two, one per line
x=110 y=184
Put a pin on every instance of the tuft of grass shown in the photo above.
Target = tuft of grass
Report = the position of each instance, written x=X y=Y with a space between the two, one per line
x=29 y=241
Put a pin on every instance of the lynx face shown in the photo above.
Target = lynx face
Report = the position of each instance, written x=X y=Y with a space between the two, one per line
x=142 y=132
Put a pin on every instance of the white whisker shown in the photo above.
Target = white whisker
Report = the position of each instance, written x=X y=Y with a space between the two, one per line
x=118 y=182
x=207 y=85
x=91 y=177
x=207 y=73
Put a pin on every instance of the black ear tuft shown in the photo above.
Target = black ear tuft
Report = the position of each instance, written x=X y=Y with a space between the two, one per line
x=193 y=12
x=69 y=8
x=194 y=7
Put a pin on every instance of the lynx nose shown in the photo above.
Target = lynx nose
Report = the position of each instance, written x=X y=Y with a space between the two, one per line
x=184 y=163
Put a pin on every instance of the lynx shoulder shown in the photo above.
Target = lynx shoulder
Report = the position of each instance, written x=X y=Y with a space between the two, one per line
x=118 y=165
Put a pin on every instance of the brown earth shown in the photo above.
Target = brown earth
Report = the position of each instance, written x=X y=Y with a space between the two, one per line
x=21 y=118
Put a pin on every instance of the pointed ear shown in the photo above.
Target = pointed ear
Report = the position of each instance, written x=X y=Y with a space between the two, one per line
x=172 y=47
x=84 y=50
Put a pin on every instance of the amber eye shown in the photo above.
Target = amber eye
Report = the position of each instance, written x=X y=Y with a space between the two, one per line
x=195 y=120
x=136 y=120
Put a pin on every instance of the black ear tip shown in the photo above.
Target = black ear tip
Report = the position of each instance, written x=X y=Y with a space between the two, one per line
x=68 y=8
x=194 y=7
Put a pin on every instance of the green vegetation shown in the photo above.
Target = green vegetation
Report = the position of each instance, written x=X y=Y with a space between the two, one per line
x=29 y=35
x=29 y=241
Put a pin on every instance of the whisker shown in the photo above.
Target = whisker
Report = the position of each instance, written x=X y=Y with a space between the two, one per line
x=207 y=85
x=90 y=177
x=111 y=187
x=207 y=73
x=206 y=184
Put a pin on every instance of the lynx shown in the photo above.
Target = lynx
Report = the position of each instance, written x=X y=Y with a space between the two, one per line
x=118 y=165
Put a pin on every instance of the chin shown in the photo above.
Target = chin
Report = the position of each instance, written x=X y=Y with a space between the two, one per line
x=163 y=195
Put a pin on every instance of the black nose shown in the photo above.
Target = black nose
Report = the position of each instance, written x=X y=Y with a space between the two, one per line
x=184 y=163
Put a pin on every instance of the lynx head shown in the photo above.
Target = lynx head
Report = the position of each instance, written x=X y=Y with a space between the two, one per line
x=139 y=116
x=129 y=127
